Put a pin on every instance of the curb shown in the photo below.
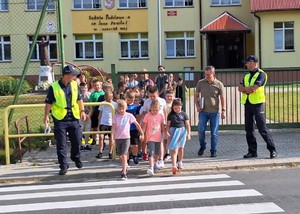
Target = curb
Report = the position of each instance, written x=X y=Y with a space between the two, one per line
x=140 y=173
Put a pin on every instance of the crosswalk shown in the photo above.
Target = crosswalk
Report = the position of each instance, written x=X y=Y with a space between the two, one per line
x=215 y=193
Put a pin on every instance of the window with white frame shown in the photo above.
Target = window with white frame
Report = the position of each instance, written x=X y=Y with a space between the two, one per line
x=180 y=44
x=3 y=5
x=52 y=48
x=178 y=3
x=225 y=2
x=89 y=47
x=132 y=3
x=5 y=48
x=37 y=5
x=86 y=4
x=283 y=36
x=134 y=45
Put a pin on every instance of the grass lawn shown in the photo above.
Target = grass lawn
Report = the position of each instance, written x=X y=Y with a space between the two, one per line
x=283 y=107
x=35 y=114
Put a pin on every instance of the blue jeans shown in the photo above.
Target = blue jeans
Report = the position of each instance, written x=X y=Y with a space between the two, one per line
x=213 y=118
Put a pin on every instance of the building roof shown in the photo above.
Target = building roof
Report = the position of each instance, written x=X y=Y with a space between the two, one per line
x=274 y=5
x=225 y=22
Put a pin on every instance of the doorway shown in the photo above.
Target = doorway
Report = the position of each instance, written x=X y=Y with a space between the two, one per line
x=226 y=50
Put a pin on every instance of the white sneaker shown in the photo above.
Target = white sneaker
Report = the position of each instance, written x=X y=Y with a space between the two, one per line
x=180 y=165
x=150 y=172
x=161 y=163
x=157 y=165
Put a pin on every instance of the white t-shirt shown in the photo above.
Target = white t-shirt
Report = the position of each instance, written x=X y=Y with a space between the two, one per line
x=147 y=103
x=106 y=117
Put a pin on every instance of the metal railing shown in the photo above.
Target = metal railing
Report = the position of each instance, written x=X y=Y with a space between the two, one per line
x=282 y=96
x=30 y=107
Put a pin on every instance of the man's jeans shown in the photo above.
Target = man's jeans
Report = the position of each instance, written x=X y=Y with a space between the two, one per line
x=213 y=118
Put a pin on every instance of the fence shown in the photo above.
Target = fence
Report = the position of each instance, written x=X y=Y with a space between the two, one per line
x=35 y=124
x=282 y=96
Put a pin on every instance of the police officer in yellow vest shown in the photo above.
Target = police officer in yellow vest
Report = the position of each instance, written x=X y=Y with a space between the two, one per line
x=64 y=99
x=253 y=97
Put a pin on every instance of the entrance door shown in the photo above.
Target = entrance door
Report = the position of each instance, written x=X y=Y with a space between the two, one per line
x=226 y=50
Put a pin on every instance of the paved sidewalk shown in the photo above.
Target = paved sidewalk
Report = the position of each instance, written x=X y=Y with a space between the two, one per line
x=42 y=165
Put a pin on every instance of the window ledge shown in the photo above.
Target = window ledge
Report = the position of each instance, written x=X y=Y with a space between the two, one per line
x=100 y=59
x=227 y=5
x=180 y=57
x=132 y=8
x=5 y=61
x=177 y=7
x=145 y=58
x=48 y=11
x=280 y=51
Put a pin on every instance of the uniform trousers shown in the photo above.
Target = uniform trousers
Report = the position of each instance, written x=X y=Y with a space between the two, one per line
x=61 y=128
x=256 y=111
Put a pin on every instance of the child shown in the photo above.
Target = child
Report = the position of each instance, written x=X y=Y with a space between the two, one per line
x=169 y=100
x=153 y=127
x=86 y=125
x=107 y=87
x=121 y=133
x=121 y=89
x=153 y=95
x=180 y=88
x=178 y=130
x=105 y=123
x=134 y=137
x=98 y=92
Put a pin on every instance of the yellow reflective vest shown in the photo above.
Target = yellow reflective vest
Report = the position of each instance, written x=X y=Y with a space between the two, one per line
x=259 y=95
x=59 y=107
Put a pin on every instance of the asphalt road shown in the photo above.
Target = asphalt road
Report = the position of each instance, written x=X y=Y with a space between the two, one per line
x=281 y=186
x=231 y=192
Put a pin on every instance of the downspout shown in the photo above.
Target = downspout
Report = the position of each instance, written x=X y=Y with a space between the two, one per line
x=259 y=38
x=159 y=32
x=201 y=43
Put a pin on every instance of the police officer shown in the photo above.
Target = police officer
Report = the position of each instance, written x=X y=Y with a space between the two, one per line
x=64 y=99
x=253 y=97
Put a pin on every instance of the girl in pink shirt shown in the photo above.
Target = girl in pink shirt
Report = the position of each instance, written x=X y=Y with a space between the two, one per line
x=153 y=127
x=121 y=133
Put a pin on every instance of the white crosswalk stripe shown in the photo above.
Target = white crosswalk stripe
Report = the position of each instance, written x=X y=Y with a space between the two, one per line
x=160 y=190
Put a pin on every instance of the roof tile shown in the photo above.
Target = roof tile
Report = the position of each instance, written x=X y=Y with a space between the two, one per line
x=225 y=22
x=274 y=5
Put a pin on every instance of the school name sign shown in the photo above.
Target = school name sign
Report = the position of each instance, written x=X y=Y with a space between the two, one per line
x=118 y=21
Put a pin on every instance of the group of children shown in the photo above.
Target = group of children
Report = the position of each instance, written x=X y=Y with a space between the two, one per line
x=153 y=126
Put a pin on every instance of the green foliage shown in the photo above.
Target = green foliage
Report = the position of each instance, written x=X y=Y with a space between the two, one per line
x=9 y=86
x=13 y=160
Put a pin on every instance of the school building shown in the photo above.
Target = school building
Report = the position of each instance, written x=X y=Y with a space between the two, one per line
x=136 y=34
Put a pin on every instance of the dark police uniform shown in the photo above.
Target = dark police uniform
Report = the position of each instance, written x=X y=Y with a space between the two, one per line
x=256 y=111
x=69 y=124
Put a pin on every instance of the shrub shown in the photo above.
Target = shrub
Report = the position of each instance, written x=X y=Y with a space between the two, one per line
x=9 y=86
x=13 y=159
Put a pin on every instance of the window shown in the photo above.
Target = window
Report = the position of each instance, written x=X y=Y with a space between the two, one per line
x=132 y=3
x=89 y=47
x=134 y=45
x=37 y=5
x=283 y=36
x=5 y=48
x=86 y=4
x=178 y=3
x=189 y=73
x=225 y=2
x=3 y=5
x=180 y=44
x=52 y=48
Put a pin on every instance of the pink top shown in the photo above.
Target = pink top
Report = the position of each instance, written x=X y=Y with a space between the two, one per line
x=153 y=129
x=122 y=125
